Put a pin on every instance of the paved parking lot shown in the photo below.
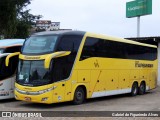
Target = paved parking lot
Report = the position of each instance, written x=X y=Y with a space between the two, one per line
x=148 y=102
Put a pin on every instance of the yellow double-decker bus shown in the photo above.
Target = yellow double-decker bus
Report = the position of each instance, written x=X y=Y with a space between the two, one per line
x=75 y=65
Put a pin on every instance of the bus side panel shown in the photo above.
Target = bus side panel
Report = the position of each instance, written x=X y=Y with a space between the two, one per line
x=104 y=83
x=124 y=79
x=152 y=79
x=69 y=84
x=134 y=76
x=112 y=80
x=83 y=76
x=97 y=84
x=5 y=86
x=59 y=92
x=144 y=76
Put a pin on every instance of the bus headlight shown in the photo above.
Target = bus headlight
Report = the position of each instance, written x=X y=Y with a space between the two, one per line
x=46 y=90
x=35 y=93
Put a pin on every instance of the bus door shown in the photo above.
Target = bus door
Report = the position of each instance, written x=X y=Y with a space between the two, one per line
x=57 y=75
x=62 y=66
x=60 y=72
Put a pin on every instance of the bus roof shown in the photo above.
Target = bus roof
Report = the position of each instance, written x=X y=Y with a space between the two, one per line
x=11 y=42
x=65 y=32
x=119 y=39
x=61 y=32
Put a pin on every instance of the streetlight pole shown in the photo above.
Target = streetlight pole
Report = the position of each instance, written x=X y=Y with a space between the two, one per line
x=138 y=26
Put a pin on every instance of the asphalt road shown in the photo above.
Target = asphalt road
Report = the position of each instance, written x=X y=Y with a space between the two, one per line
x=148 y=102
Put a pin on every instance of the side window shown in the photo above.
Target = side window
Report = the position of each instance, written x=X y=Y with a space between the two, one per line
x=66 y=45
x=137 y=52
x=6 y=72
x=69 y=43
x=13 y=49
x=153 y=53
x=134 y=51
x=100 y=49
x=115 y=49
x=94 y=47
x=89 y=48
x=62 y=66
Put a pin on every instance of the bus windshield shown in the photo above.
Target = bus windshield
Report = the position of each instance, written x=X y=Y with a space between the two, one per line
x=33 y=73
x=40 y=44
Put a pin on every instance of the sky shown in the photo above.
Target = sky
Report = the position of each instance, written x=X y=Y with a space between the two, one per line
x=106 y=17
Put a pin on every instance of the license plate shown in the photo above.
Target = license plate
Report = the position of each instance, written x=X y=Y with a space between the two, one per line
x=27 y=98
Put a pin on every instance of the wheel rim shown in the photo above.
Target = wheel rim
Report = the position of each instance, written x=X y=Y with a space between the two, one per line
x=135 y=91
x=142 y=88
x=79 y=95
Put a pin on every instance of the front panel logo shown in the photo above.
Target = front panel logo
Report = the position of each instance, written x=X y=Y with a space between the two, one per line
x=32 y=58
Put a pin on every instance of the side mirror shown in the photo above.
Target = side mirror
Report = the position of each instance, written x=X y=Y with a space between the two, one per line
x=54 y=55
x=4 y=55
x=9 y=56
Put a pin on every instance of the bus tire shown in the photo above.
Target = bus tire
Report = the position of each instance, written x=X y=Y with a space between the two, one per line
x=79 y=96
x=134 y=90
x=142 y=88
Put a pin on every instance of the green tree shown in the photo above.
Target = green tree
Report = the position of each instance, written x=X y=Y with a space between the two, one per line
x=7 y=18
x=24 y=24
x=15 y=21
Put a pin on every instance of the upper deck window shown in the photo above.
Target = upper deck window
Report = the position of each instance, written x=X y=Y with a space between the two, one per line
x=95 y=47
x=40 y=44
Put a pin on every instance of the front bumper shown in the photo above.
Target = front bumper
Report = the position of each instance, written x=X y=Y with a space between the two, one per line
x=46 y=98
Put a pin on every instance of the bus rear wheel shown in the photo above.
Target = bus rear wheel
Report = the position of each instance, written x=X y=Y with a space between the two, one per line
x=79 y=96
x=142 y=88
x=134 y=90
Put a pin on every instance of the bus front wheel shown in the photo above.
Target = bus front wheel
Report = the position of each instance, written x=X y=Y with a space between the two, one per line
x=79 y=96
x=134 y=90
